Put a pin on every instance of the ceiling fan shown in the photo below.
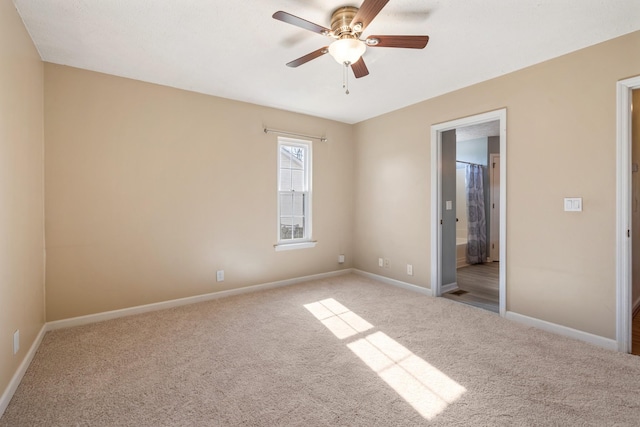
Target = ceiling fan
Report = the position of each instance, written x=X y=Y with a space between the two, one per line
x=347 y=25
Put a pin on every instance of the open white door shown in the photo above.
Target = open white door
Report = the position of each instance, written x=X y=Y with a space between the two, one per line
x=494 y=182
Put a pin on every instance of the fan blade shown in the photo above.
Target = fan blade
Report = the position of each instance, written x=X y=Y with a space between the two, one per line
x=359 y=68
x=408 y=42
x=368 y=11
x=308 y=57
x=299 y=22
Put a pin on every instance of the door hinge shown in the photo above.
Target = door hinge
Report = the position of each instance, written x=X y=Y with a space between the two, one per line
x=440 y=222
x=628 y=233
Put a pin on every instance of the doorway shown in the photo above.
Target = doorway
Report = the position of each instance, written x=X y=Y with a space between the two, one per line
x=444 y=219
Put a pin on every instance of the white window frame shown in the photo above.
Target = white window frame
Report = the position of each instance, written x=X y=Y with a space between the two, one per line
x=305 y=241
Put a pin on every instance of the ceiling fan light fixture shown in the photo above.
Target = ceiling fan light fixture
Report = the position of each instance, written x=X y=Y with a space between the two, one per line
x=347 y=50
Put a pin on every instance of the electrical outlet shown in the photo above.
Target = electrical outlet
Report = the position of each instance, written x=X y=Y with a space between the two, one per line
x=16 y=341
x=386 y=263
x=380 y=262
x=410 y=269
x=340 y=259
x=220 y=276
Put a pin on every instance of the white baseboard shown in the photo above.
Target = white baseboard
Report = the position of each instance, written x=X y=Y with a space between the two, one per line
x=564 y=330
x=449 y=287
x=99 y=317
x=17 y=377
x=130 y=311
x=394 y=282
x=92 y=318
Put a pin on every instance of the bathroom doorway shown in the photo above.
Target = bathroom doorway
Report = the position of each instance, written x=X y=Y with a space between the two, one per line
x=477 y=226
x=468 y=188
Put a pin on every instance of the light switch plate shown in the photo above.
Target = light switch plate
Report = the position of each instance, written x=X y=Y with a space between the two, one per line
x=573 y=204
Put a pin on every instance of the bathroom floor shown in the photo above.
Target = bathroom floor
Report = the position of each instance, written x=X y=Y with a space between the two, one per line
x=480 y=286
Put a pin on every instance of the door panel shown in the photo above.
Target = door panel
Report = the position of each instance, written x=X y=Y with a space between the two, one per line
x=495 y=208
x=448 y=208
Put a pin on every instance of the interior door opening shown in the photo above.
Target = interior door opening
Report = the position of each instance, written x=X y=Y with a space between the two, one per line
x=468 y=211
x=477 y=274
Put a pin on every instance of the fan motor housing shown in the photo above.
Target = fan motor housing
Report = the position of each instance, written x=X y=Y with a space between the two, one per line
x=341 y=21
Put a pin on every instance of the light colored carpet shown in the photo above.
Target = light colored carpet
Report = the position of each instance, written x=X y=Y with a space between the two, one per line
x=346 y=351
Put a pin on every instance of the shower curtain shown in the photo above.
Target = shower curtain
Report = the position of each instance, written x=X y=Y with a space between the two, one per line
x=477 y=225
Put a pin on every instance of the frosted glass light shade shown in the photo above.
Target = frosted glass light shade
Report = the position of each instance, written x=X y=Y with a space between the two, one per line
x=347 y=50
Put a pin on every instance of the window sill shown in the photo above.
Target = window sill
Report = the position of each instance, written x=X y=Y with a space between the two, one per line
x=292 y=246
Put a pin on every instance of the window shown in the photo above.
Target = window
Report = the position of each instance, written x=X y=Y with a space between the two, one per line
x=294 y=194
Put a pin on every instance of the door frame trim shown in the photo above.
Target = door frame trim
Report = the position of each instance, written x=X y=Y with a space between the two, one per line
x=436 y=197
x=624 y=264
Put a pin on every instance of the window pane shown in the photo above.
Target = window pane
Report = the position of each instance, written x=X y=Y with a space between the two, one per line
x=285 y=157
x=297 y=164
x=285 y=180
x=298 y=227
x=297 y=204
x=297 y=180
x=297 y=155
x=286 y=228
x=286 y=204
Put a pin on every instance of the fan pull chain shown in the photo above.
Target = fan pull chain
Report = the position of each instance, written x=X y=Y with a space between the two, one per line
x=345 y=78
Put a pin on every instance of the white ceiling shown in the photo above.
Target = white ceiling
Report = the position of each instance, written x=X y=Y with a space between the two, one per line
x=481 y=130
x=234 y=49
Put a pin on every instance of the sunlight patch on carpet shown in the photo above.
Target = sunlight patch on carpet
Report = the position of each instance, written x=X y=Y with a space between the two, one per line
x=428 y=390
x=338 y=319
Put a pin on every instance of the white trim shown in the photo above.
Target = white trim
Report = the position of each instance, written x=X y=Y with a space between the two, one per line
x=308 y=188
x=563 y=330
x=393 y=282
x=114 y=314
x=436 y=197
x=623 y=213
x=449 y=287
x=436 y=201
x=502 y=304
x=462 y=262
x=17 y=377
x=99 y=317
x=291 y=246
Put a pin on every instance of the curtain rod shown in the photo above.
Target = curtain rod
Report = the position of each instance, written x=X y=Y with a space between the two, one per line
x=282 y=132
x=469 y=163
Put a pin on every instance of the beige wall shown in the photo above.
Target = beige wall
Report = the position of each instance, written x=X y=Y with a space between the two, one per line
x=21 y=191
x=150 y=190
x=561 y=142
